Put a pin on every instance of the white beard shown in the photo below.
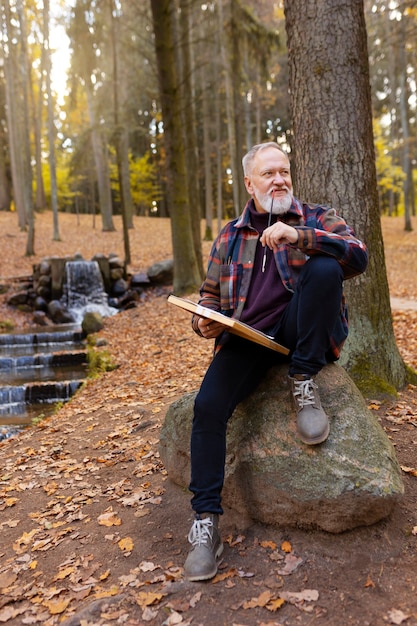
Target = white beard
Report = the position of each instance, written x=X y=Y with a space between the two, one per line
x=278 y=206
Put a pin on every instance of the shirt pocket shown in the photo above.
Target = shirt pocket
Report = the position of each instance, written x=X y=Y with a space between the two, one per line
x=230 y=282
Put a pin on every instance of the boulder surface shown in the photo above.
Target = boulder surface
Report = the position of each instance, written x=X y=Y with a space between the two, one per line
x=353 y=479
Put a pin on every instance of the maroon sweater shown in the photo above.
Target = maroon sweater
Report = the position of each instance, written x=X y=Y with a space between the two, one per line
x=267 y=296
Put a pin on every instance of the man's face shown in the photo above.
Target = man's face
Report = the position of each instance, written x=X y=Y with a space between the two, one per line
x=269 y=182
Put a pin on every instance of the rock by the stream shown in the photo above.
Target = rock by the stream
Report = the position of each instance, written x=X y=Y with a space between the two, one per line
x=92 y=322
x=351 y=480
x=162 y=273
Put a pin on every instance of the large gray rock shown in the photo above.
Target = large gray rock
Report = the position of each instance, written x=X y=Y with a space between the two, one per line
x=162 y=273
x=351 y=480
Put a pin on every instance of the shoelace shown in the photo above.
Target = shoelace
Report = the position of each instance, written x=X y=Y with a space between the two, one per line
x=304 y=392
x=201 y=532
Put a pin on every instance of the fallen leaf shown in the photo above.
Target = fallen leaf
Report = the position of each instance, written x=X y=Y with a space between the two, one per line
x=268 y=544
x=7 y=578
x=307 y=595
x=397 y=617
x=11 y=501
x=196 y=598
x=369 y=582
x=147 y=566
x=173 y=619
x=261 y=601
x=231 y=573
x=126 y=544
x=275 y=604
x=409 y=470
x=64 y=573
x=110 y=518
x=55 y=607
x=149 y=614
x=292 y=562
x=148 y=598
x=107 y=593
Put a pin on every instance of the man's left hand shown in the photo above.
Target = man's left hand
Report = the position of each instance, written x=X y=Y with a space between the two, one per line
x=277 y=234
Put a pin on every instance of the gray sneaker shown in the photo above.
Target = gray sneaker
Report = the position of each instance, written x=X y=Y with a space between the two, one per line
x=201 y=562
x=312 y=422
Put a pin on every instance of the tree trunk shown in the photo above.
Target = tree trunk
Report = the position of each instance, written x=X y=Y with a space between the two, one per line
x=50 y=122
x=102 y=168
x=4 y=179
x=335 y=164
x=190 y=126
x=405 y=126
x=230 y=108
x=25 y=145
x=118 y=134
x=14 y=124
x=187 y=277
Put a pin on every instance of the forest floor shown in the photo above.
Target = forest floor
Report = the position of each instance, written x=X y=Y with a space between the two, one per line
x=94 y=532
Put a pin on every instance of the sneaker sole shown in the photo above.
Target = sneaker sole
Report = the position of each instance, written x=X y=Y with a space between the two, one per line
x=211 y=574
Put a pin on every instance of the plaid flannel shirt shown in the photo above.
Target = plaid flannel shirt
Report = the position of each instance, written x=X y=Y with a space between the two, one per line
x=320 y=231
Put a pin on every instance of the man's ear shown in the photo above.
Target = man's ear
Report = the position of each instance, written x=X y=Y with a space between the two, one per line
x=248 y=185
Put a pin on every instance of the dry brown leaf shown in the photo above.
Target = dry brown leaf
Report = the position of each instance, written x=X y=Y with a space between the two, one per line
x=148 y=598
x=104 y=575
x=11 y=501
x=261 y=601
x=106 y=593
x=109 y=518
x=7 y=578
x=56 y=607
x=231 y=573
x=275 y=604
x=409 y=470
x=64 y=573
x=126 y=544
x=295 y=597
x=292 y=562
x=397 y=617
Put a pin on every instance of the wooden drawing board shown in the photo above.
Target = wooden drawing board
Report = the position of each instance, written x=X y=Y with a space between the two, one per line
x=232 y=325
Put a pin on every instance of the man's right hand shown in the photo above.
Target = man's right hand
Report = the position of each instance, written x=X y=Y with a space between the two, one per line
x=208 y=328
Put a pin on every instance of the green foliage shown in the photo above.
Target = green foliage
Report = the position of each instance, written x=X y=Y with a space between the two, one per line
x=144 y=186
x=99 y=360
x=38 y=419
x=390 y=177
x=64 y=180
x=6 y=326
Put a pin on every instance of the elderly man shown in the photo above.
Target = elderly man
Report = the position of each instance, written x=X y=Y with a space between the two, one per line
x=279 y=268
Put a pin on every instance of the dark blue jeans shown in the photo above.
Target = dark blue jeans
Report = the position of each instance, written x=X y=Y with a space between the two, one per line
x=236 y=370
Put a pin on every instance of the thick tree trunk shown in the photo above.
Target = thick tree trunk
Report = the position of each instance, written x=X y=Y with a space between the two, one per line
x=187 y=277
x=335 y=164
x=190 y=126
x=14 y=124
x=230 y=103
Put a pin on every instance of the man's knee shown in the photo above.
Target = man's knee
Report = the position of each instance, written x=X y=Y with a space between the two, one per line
x=323 y=269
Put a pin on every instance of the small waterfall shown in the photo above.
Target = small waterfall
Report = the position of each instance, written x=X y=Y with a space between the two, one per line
x=38 y=369
x=83 y=290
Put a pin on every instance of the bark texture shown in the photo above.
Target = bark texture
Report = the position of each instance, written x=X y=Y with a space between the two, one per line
x=334 y=164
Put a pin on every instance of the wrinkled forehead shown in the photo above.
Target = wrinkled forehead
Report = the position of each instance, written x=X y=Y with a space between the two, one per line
x=270 y=159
